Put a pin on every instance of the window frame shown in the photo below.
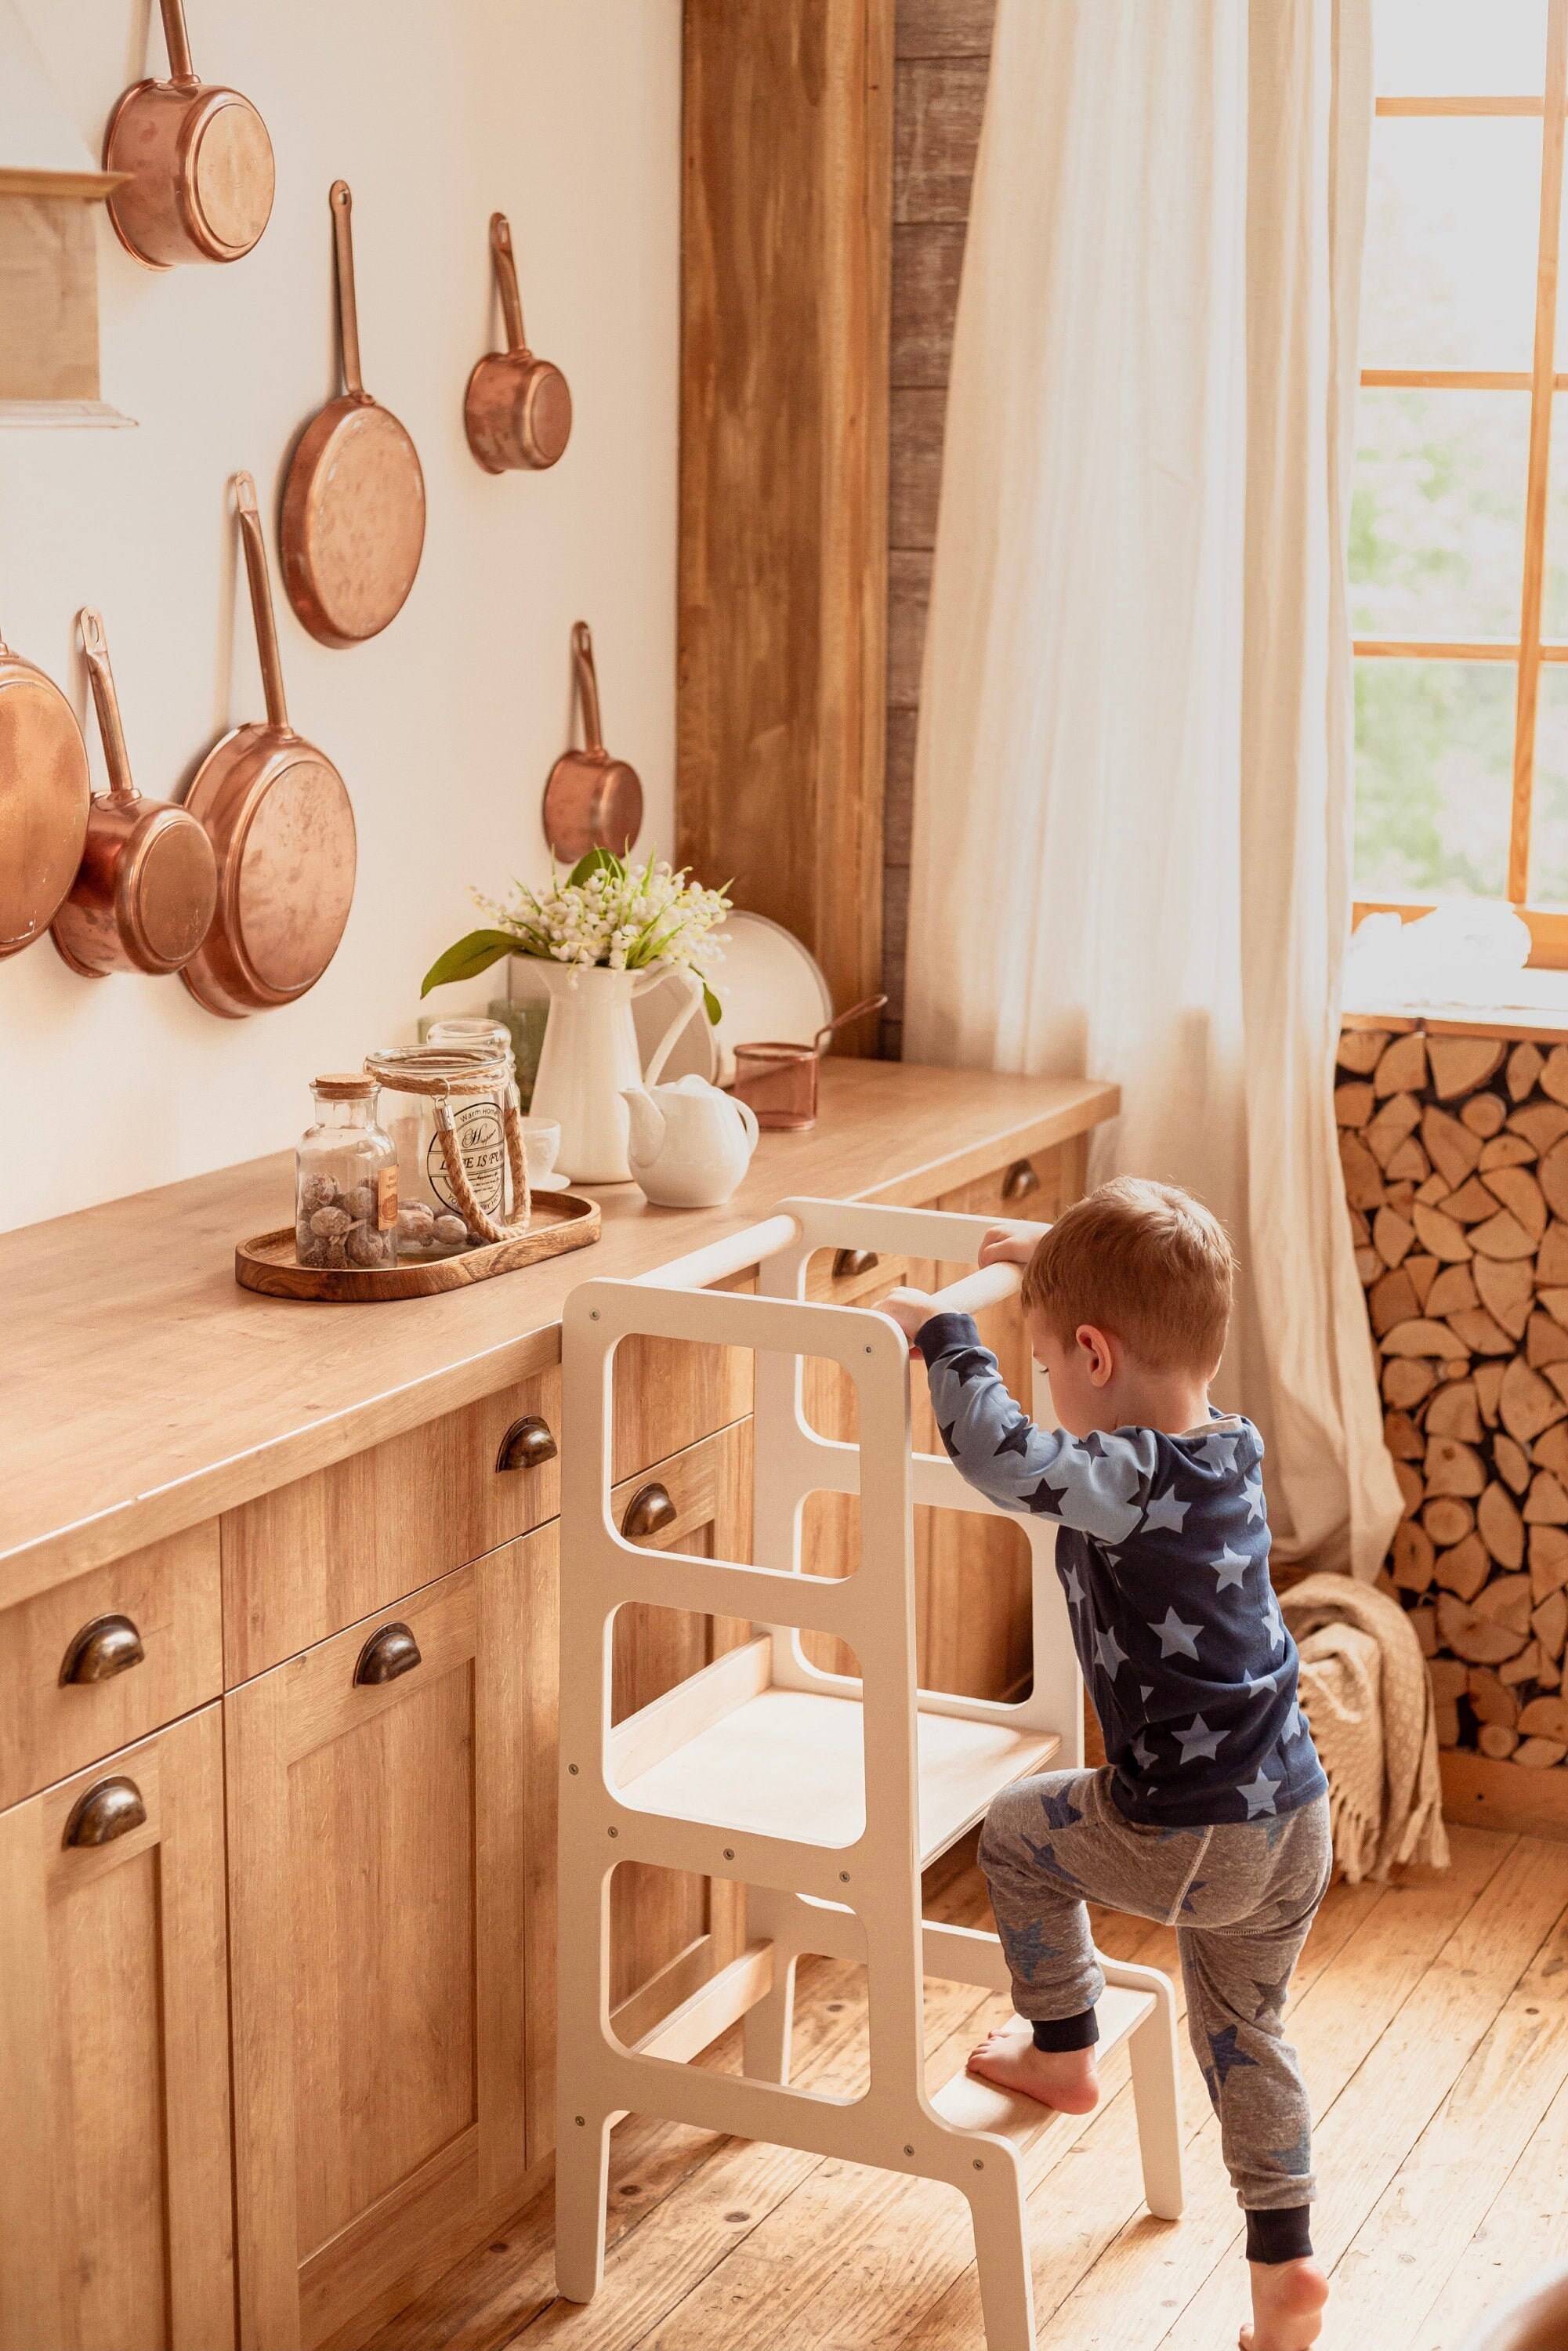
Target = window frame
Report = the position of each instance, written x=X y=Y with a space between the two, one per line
x=1548 y=925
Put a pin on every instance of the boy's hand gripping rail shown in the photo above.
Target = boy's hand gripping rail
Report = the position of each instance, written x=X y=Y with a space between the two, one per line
x=986 y=1287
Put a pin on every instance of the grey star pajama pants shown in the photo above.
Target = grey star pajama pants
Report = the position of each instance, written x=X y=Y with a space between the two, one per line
x=1240 y=1896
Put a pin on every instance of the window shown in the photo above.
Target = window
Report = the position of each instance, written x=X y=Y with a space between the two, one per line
x=1458 y=537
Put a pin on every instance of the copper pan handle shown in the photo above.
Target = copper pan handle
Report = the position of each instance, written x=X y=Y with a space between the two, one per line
x=506 y=281
x=587 y=686
x=177 y=41
x=255 y=546
x=95 y=651
x=342 y=203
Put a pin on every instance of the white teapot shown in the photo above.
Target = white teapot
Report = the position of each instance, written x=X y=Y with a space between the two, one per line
x=690 y=1144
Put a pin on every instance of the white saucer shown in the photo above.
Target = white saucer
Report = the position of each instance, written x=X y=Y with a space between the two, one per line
x=549 y=1183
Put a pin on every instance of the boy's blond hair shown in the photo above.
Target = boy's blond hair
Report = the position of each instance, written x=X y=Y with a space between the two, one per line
x=1143 y=1261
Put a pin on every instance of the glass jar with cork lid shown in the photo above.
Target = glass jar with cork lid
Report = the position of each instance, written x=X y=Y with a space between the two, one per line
x=452 y=1112
x=345 y=1179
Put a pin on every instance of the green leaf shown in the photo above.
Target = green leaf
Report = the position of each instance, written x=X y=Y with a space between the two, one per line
x=712 y=1005
x=597 y=861
x=469 y=957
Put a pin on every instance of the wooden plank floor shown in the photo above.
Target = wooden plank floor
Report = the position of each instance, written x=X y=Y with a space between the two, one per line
x=1432 y=2020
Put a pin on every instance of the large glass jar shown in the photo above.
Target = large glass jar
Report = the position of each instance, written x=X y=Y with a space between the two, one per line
x=345 y=1179
x=472 y=1080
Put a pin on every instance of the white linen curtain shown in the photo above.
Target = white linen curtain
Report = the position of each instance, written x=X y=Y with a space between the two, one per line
x=1131 y=849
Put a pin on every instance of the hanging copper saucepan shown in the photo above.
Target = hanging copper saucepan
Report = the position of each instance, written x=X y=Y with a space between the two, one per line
x=518 y=408
x=353 y=504
x=199 y=160
x=144 y=892
x=591 y=801
x=44 y=800
x=278 y=815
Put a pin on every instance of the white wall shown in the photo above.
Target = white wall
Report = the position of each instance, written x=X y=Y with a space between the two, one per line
x=566 y=115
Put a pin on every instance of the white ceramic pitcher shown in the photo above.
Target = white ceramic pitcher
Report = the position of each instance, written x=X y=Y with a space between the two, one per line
x=590 y=1058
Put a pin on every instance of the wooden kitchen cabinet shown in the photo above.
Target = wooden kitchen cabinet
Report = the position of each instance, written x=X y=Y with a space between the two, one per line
x=670 y=1931
x=115 y=2192
x=376 y=1893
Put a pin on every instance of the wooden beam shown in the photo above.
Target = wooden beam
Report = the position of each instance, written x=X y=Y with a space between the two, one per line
x=787 y=239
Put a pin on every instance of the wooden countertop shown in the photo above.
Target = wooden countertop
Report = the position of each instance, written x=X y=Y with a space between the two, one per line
x=141 y=1390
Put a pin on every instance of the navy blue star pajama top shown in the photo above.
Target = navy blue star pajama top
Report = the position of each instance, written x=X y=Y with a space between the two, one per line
x=1162 y=1551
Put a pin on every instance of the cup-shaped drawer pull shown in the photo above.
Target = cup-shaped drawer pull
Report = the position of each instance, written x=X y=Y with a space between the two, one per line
x=107 y=1645
x=108 y=1810
x=852 y=1261
x=648 y=1511
x=1019 y=1181
x=388 y=1653
x=527 y=1444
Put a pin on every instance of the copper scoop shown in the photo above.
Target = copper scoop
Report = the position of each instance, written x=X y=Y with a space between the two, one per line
x=144 y=893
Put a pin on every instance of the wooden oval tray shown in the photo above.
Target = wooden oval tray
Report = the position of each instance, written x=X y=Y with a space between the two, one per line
x=561 y=1221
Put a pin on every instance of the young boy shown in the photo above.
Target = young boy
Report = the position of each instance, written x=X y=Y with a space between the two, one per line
x=1212 y=1813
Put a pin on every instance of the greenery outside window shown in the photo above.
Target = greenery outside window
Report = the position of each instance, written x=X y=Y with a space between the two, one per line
x=1458 y=537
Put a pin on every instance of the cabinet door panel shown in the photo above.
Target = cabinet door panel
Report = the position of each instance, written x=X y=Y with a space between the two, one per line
x=114 y=2111
x=375 y=1830
x=302 y=1562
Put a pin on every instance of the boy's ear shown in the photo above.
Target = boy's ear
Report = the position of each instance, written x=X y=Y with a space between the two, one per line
x=1098 y=1350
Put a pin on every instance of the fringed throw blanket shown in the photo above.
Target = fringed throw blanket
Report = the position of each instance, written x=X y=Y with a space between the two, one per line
x=1366 y=1694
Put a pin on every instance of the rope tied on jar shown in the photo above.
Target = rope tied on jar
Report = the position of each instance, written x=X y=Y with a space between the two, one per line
x=440 y=1073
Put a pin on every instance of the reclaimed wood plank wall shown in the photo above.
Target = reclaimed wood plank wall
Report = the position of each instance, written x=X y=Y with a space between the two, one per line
x=942 y=64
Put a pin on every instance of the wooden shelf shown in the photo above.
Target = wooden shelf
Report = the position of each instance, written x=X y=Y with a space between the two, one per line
x=974 y=2105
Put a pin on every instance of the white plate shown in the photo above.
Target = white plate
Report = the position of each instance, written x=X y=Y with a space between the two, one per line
x=771 y=988
x=549 y=1184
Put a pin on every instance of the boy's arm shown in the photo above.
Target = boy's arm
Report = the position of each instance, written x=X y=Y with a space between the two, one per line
x=1098 y=1484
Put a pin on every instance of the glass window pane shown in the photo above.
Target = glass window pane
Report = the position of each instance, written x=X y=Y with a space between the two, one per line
x=1434 y=776
x=1554 y=592
x=1437 y=542
x=1549 y=812
x=1459 y=48
x=1453 y=217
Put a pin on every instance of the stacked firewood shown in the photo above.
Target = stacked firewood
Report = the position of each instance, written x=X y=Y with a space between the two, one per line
x=1455 y=1152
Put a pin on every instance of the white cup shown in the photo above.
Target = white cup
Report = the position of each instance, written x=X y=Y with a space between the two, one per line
x=541 y=1147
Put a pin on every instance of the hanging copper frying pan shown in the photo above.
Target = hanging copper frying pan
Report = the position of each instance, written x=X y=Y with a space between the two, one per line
x=518 y=408
x=278 y=817
x=353 y=504
x=591 y=801
x=144 y=893
x=199 y=160
x=44 y=799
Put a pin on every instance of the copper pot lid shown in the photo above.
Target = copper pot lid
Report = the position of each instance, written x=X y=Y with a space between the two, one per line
x=353 y=504
x=591 y=800
x=45 y=795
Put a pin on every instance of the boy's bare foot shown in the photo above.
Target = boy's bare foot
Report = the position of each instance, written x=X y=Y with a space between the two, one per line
x=1288 y=2299
x=1067 y=2079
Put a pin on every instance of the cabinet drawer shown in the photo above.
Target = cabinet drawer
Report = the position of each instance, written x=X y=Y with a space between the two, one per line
x=1038 y=1187
x=161 y=1658
x=302 y=1562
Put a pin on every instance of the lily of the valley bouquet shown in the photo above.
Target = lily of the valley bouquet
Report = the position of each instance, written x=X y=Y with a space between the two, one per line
x=606 y=913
